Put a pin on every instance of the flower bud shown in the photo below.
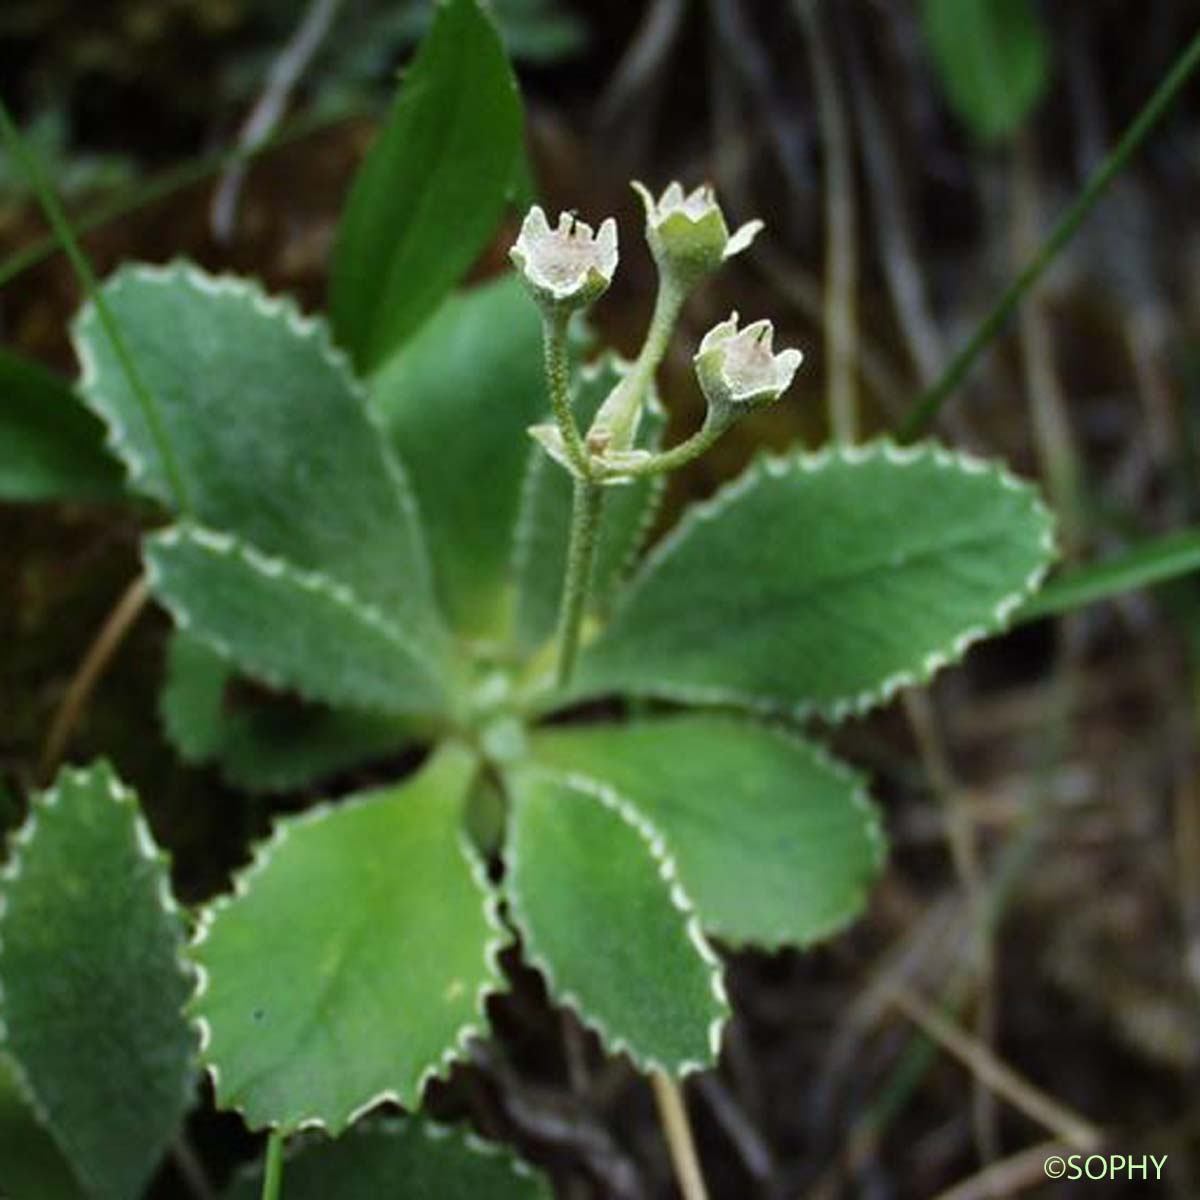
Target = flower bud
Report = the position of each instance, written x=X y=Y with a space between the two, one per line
x=688 y=235
x=568 y=267
x=740 y=371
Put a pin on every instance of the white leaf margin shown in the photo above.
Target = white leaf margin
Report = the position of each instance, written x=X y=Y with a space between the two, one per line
x=306 y=328
x=860 y=798
x=668 y=872
x=227 y=545
x=767 y=466
x=149 y=852
x=459 y=1046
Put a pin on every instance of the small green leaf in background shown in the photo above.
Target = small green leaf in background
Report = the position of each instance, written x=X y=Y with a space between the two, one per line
x=352 y=961
x=992 y=58
x=455 y=402
x=432 y=189
x=413 y=1159
x=825 y=583
x=267 y=427
x=264 y=744
x=602 y=915
x=774 y=841
x=294 y=630
x=544 y=528
x=94 y=982
x=51 y=447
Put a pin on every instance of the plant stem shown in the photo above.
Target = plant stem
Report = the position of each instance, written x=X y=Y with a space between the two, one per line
x=673 y=1115
x=581 y=554
x=671 y=460
x=926 y=409
x=272 y=1187
x=27 y=161
x=618 y=415
x=558 y=383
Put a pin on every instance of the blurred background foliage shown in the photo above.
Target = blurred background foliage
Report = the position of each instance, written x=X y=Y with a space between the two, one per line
x=908 y=156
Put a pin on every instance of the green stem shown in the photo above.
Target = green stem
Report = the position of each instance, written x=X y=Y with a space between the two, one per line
x=581 y=554
x=671 y=460
x=272 y=1187
x=926 y=409
x=49 y=201
x=558 y=383
x=618 y=415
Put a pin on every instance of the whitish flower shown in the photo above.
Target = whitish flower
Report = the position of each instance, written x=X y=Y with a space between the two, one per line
x=567 y=267
x=688 y=234
x=740 y=370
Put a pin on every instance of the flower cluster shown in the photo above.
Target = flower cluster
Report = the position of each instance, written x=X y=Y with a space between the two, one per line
x=568 y=266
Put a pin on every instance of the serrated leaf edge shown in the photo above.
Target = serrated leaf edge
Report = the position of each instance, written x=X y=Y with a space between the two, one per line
x=766 y=466
x=656 y=844
x=227 y=545
x=305 y=327
x=149 y=851
x=860 y=798
x=243 y=882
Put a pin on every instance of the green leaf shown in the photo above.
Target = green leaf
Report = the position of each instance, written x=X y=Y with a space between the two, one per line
x=433 y=187
x=826 y=582
x=774 y=841
x=602 y=915
x=94 y=984
x=263 y=744
x=455 y=402
x=268 y=429
x=1146 y=565
x=414 y=1158
x=51 y=447
x=351 y=963
x=31 y=1165
x=294 y=630
x=992 y=59
x=545 y=523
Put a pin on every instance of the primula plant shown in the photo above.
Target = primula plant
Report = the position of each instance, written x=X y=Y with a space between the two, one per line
x=429 y=531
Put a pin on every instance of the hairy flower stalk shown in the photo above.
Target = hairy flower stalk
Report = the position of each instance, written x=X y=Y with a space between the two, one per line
x=565 y=268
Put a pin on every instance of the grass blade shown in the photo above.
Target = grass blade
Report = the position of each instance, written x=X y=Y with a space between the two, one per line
x=925 y=410
x=1146 y=565
x=25 y=158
